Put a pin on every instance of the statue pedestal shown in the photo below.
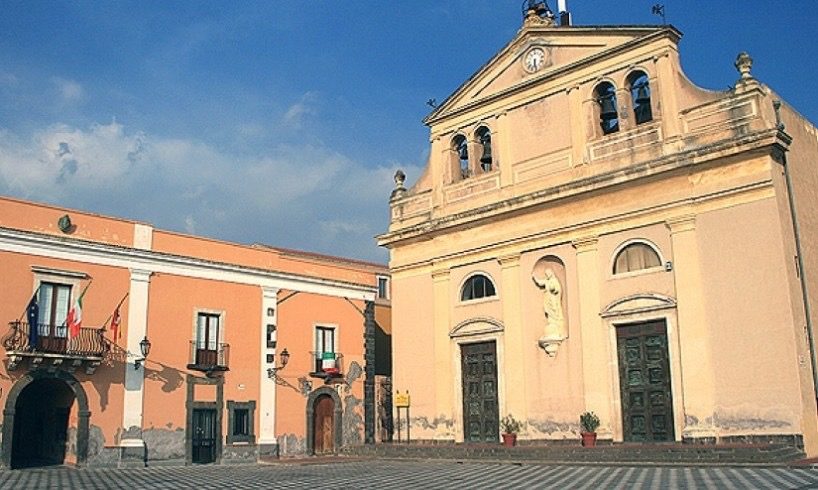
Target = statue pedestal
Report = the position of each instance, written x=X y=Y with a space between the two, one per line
x=550 y=344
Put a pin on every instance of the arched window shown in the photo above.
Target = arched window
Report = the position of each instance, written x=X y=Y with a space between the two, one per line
x=477 y=286
x=640 y=96
x=461 y=147
x=483 y=135
x=634 y=257
x=605 y=95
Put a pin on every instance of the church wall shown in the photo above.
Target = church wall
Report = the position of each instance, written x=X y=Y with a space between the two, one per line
x=751 y=335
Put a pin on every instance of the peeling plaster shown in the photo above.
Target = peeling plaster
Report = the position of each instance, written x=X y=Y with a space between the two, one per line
x=352 y=422
x=165 y=444
x=291 y=445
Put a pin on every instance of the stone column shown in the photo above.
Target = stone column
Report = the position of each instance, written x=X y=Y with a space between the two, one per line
x=267 y=441
x=596 y=355
x=694 y=344
x=132 y=446
x=501 y=150
x=442 y=352
x=513 y=368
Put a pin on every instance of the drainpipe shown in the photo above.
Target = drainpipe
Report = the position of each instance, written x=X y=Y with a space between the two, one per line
x=799 y=255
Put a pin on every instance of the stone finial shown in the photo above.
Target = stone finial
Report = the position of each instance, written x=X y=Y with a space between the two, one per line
x=743 y=64
x=399 y=190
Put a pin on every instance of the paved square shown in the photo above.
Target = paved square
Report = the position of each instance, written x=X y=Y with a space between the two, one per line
x=411 y=474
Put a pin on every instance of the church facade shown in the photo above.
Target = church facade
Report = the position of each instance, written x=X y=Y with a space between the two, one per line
x=595 y=233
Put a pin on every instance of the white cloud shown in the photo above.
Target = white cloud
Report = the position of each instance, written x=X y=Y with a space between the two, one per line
x=304 y=197
x=70 y=92
x=297 y=113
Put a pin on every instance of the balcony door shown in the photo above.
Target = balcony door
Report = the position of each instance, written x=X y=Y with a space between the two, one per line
x=207 y=339
x=324 y=349
x=53 y=300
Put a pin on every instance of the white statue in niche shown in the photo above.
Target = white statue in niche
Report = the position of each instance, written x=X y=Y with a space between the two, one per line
x=552 y=307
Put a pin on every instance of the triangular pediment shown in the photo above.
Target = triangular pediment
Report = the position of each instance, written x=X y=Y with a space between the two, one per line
x=564 y=49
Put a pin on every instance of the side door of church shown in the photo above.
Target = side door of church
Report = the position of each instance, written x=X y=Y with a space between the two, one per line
x=479 y=378
x=644 y=380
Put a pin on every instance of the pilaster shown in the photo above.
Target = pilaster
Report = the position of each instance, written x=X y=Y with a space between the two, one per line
x=442 y=351
x=513 y=364
x=135 y=377
x=596 y=356
x=268 y=443
x=696 y=359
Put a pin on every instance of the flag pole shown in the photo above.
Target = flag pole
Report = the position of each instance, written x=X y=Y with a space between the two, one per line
x=117 y=307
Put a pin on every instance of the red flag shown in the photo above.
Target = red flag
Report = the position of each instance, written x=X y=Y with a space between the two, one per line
x=115 y=320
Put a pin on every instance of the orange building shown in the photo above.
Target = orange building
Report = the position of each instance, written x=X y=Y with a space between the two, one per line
x=223 y=352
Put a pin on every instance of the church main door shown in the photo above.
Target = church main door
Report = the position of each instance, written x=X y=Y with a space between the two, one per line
x=480 y=407
x=644 y=380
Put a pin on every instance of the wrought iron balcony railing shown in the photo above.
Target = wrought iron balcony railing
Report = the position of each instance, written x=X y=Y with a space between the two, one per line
x=209 y=358
x=327 y=364
x=52 y=343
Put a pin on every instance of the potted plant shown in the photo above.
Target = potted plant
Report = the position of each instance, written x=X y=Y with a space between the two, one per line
x=510 y=427
x=588 y=423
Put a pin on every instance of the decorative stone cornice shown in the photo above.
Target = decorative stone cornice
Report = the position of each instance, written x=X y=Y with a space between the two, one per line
x=508 y=261
x=439 y=275
x=586 y=244
x=679 y=224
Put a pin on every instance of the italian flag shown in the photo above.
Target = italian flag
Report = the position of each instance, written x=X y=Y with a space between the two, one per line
x=74 y=318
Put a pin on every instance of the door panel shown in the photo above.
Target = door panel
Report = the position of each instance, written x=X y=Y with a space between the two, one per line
x=644 y=378
x=323 y=441
x=204 y=435
x=479 y=384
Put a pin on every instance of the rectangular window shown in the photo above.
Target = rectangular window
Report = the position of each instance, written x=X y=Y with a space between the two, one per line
x=383 y=288
x=240 y=421
x=207 y=339
x=207 y=331
x=53 y=300
x=324 y=343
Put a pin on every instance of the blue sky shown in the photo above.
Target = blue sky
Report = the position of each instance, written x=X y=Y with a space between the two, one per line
x=282 y=122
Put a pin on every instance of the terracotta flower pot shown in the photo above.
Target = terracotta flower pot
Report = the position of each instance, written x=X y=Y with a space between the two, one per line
x=588 y=439
x=509 y=440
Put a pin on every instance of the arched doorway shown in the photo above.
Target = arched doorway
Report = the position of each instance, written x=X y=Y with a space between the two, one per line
x=322 y=421
x=35 y=425
x=324 y=412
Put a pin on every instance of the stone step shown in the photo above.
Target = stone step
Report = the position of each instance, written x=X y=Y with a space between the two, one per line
x=615 y=453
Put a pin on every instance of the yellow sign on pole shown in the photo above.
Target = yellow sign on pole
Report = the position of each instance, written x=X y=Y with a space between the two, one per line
x=402 y=399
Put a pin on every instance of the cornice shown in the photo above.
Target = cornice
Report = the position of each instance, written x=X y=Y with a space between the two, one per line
x=473 y=217
x=148 y=262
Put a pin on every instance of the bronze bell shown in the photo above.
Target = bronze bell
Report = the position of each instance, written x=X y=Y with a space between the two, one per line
x=486 y=158
x=642 y=95
x=608 y=108
x=463 y=151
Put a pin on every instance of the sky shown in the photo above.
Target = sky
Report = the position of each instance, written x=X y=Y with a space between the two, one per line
x=282 y=122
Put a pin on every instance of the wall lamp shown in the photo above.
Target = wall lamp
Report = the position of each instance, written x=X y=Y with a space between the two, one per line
x=285 y=358
x=145 y=348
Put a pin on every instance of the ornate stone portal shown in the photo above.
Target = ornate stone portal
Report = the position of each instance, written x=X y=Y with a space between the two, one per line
x=555 y=326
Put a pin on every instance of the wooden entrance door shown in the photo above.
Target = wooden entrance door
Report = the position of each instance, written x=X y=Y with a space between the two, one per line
x=480 y=407
x=323 y=420
x=644 y=380
x=204 y=435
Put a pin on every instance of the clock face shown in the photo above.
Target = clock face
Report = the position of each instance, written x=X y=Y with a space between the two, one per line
x=534 y=60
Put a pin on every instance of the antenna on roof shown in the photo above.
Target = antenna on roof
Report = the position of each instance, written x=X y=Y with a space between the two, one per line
x=659 y=9
x=432 y=103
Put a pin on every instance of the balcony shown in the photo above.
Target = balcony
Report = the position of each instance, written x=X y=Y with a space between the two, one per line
x=327 y=365
x=53 y=349
x=209 y=359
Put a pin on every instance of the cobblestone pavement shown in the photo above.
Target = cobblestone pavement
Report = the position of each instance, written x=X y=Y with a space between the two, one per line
x=414 y=474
